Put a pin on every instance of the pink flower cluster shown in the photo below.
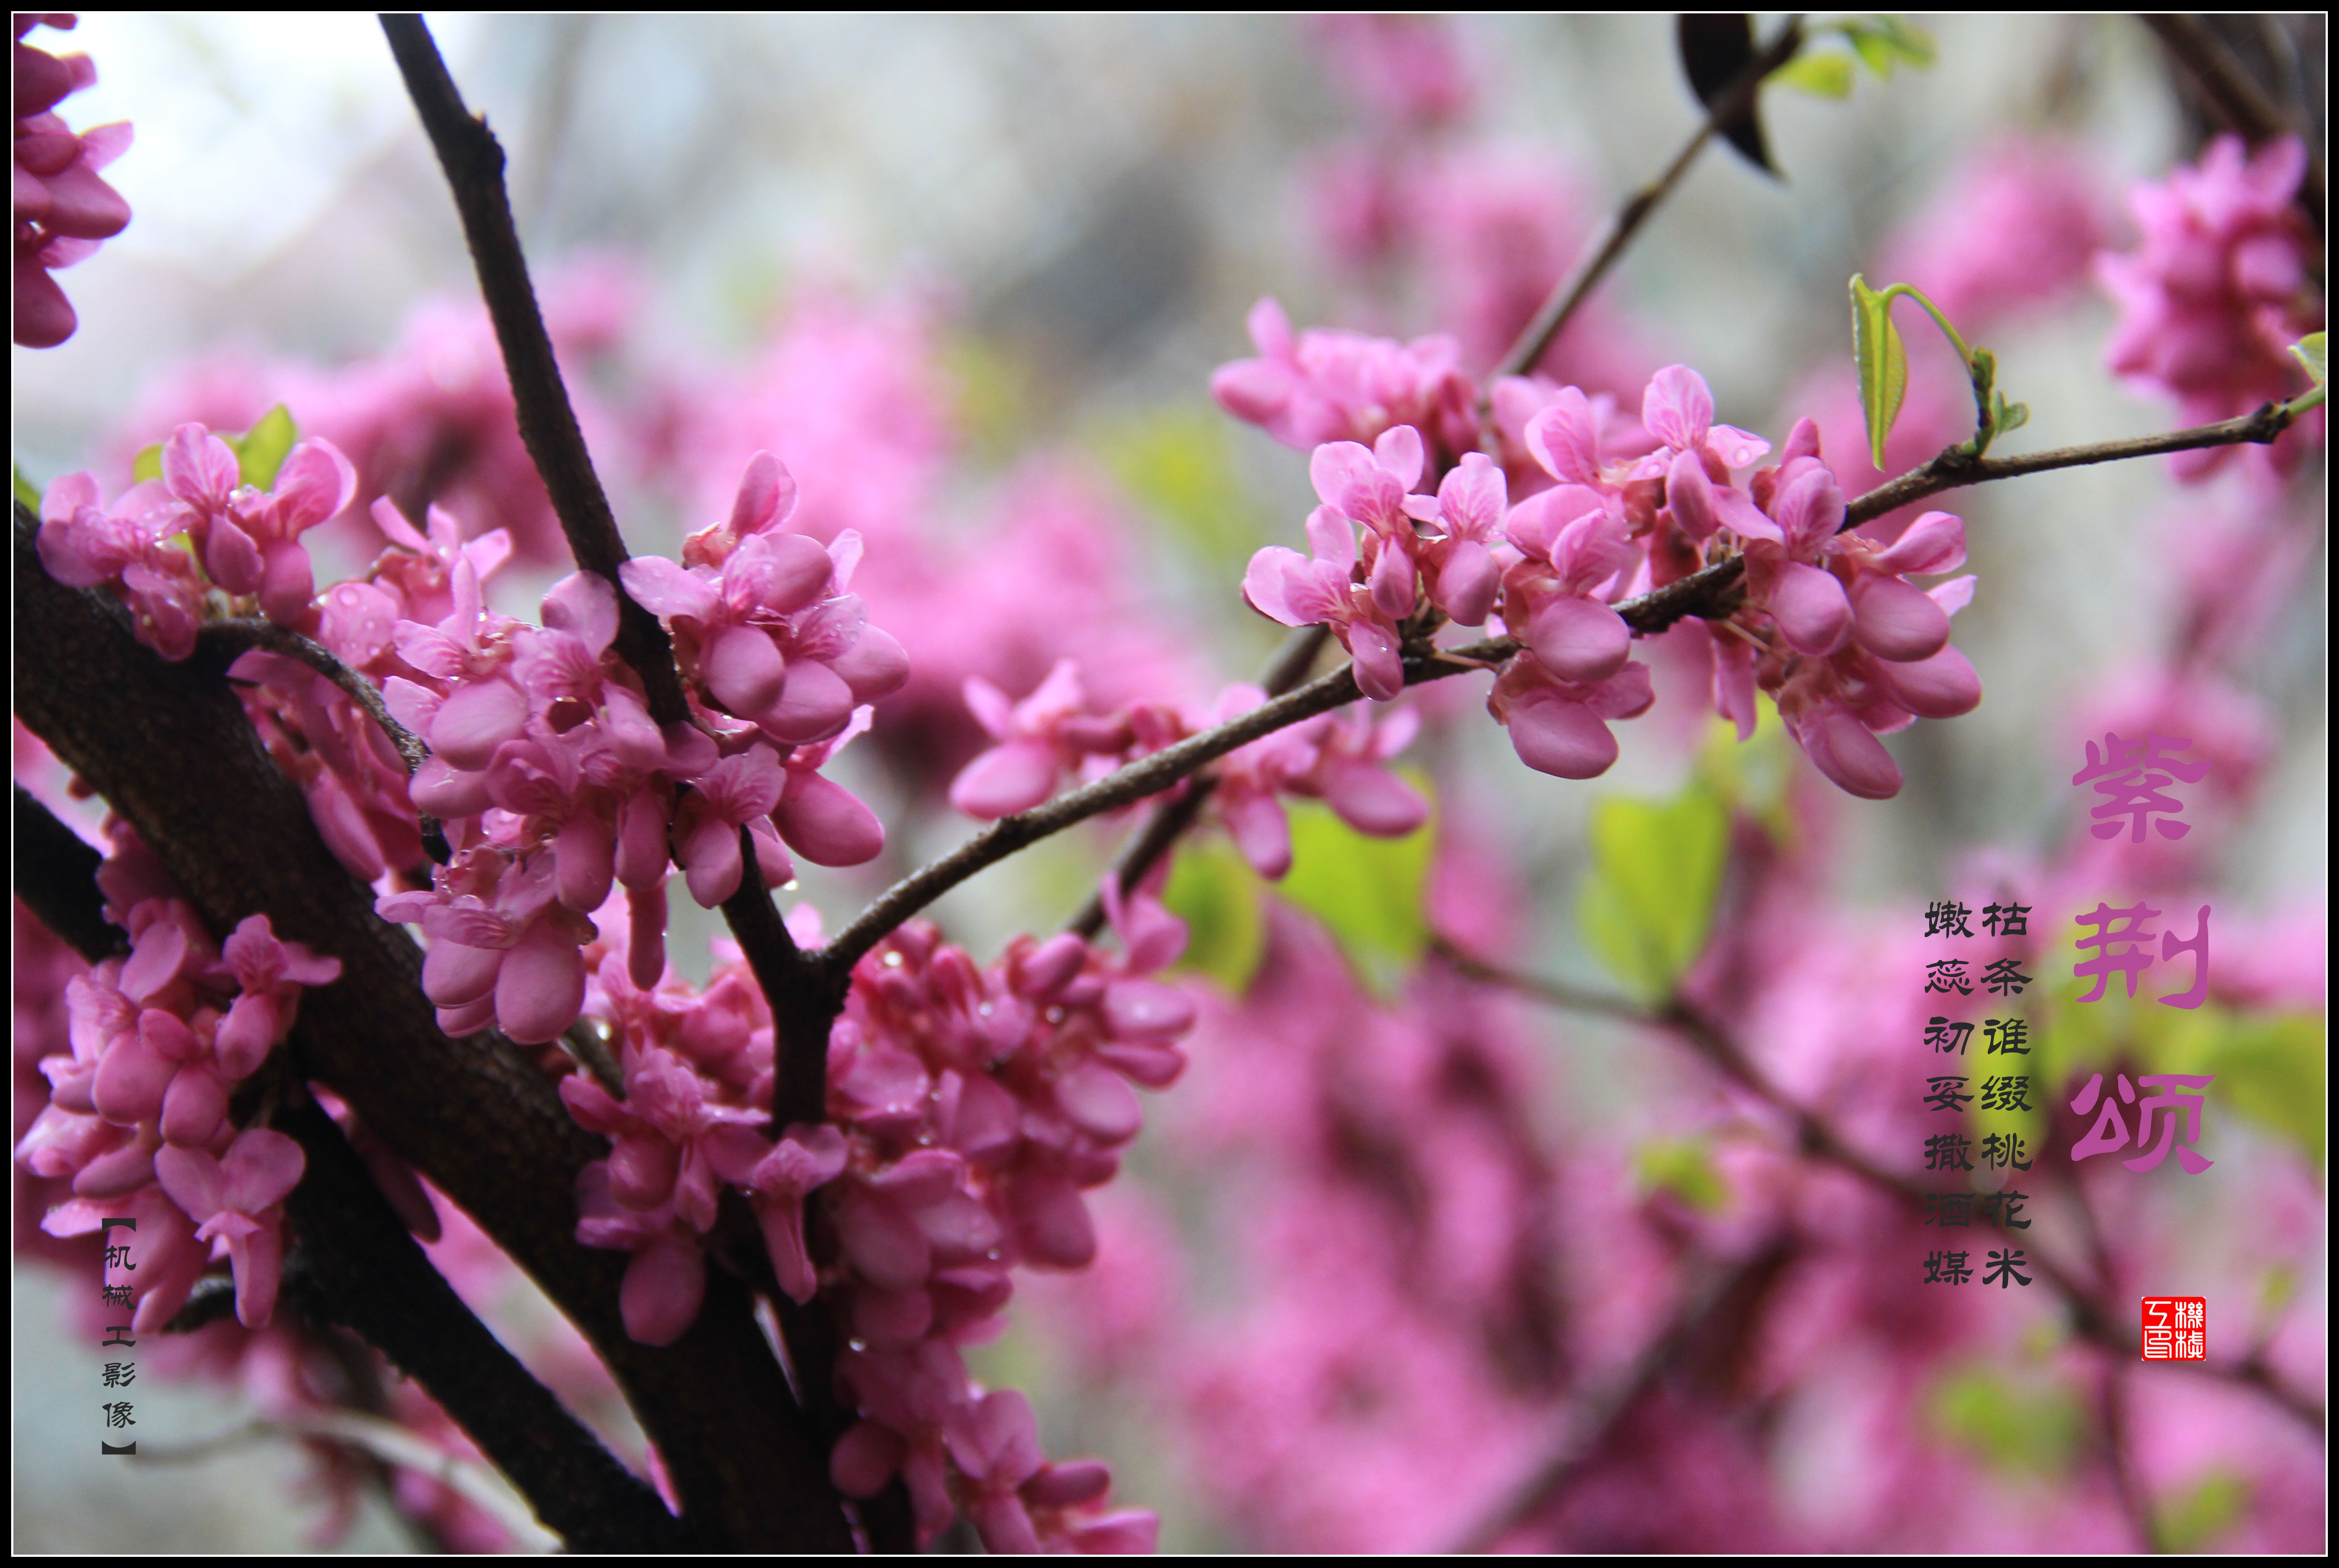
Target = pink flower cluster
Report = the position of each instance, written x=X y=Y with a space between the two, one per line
x=554 y=783
x=2220 y=288
x=62 y=208
x=1337 y=758
x=237 y=541
x=137 y=1115
x=1830 y=625
x=967 y=1110
x=1332 y=385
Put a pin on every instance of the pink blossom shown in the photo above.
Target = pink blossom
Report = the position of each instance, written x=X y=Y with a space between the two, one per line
x=2219 y=288
x=127 y=548
x=62 y=208
x=761 y=618
x=249 y=542
x=1037 y=740
x=237 y=1198
x=2015 y=226
x=1285 y=586
x=1330 y=386
x=1406 y=69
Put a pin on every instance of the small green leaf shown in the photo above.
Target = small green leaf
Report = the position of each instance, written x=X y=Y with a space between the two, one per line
x=2023 y=1431
x=2010 y=416
x=148 y=464
x=1656 y=871
x=2309 y=354
x=1883 y=361
x=1885 y=42
x=1366 y=892
x=27 y=495
x=1822 y=74
x=1683 y=1167
x=2205 y=1510
x=260 y=450
x=1216 y=894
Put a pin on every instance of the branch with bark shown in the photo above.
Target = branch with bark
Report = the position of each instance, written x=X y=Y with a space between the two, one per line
x=169 y=747
x=353 y=1263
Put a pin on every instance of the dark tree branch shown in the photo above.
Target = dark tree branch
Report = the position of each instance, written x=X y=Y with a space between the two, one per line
x=1172 y=817
x=805 y=993
x=169 y=747
x=2202 y=56
x=1602 y=252
x=1719 y=1303
x=1952 y=469
x=355 y=1264
x=474 y=161
x=57 y=876
x=268 y=637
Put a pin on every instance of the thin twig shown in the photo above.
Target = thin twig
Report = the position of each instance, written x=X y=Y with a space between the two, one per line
x=250 y=632
x=1602 y=253
x=2201 y=55
x=474 y=162
x=1581 y=1440
x=1711 y=592
x=1815 y=1137
x=1170 y=819
x=1952 y=469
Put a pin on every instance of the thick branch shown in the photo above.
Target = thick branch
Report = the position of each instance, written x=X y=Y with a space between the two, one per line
x=169 y=747
x=2201 y=55
x=1609 y=245
x=474 y=161
x=361 y=1268
x=355 y=1265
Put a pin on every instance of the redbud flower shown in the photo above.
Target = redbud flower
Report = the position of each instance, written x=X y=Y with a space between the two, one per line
x=62 y=208
x=237 y=1199
x=1330 y=386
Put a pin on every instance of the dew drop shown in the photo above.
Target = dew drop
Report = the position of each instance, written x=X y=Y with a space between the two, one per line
x=857 y=1344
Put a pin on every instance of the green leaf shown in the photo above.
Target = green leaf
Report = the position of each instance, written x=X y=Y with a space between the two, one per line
x=260 y=450
x=27 y=496
x=2010 y=416
x=1823 y=74
x=2206 y=1509
x=148 y=464
x=2025 y=1431
x=1883 y=361
x=1885 y=42
x=1366 y=892
x=2308 y=351
x=1657 y=870
x=1216 y=894
x=1683 y=1167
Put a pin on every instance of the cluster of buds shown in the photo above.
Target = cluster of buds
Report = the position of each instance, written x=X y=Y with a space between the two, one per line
x=1829 y=624
x=137 y=1119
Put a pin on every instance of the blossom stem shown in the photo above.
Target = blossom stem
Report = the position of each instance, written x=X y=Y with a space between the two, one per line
x=1602 y=254
x=474 y=163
